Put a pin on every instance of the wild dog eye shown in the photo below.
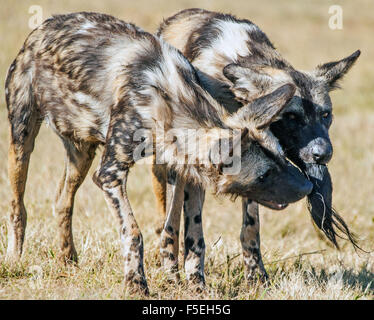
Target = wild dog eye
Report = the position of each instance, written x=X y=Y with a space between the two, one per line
x=326 y=114
x=263 y=177
x=291 y=116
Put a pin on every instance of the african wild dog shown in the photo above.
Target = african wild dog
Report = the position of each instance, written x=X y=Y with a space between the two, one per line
x=97 y=80
x=236 y=63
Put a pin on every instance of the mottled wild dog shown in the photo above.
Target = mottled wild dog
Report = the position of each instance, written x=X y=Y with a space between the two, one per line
x=236 y=63
x=97 y=80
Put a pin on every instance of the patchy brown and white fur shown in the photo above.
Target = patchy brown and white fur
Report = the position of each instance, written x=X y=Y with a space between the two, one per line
x=237 y=63
x=97 y=80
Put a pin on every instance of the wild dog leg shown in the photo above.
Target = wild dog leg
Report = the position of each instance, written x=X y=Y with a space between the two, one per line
x=111 y=177
x=20 y=149
x=115 y=194
x=193 y=233
x=159 y=180
x=170 y=234
x=250 y=239
x=77 y=164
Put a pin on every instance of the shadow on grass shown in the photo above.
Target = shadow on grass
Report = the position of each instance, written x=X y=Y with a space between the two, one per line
x=362 y=280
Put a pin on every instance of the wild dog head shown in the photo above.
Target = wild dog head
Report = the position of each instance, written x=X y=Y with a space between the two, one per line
x=303 y=128
x=265 y=175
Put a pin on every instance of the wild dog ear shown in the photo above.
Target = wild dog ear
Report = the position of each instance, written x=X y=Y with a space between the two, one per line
x=332 y=72
x=247 y=81
x=263 y=111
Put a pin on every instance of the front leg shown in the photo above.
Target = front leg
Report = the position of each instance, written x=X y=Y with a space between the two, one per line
x=132 y=241
x=250 y=239
x=111 y=177
x=193 y=234
x=170 y=233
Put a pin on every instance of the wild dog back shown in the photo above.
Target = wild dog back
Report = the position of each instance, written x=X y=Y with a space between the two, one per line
x=74 y=61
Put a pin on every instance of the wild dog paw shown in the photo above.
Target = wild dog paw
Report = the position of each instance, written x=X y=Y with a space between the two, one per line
x=136 y=284
x=256 y=274
x=196 y=282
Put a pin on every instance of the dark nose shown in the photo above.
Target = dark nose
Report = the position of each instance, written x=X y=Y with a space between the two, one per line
x=322 y=152
x=299 y=186
x=307 y=188
x=304 y=189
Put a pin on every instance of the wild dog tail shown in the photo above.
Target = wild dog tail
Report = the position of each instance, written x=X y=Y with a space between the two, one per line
x=320 y=207
x=19 y=96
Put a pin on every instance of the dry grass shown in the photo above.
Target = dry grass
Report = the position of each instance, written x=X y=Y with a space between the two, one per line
x=300 y=31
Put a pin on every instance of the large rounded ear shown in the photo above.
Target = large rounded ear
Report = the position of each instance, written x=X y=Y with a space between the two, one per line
x=247 y=81
x=265 y=110
x=233 y=72
x=332 y=72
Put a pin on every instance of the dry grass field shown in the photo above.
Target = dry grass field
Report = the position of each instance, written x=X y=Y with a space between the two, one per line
x=300 y=31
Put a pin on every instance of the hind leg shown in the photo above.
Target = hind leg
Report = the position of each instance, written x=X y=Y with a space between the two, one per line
x=20 y=149
x=77 y=164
